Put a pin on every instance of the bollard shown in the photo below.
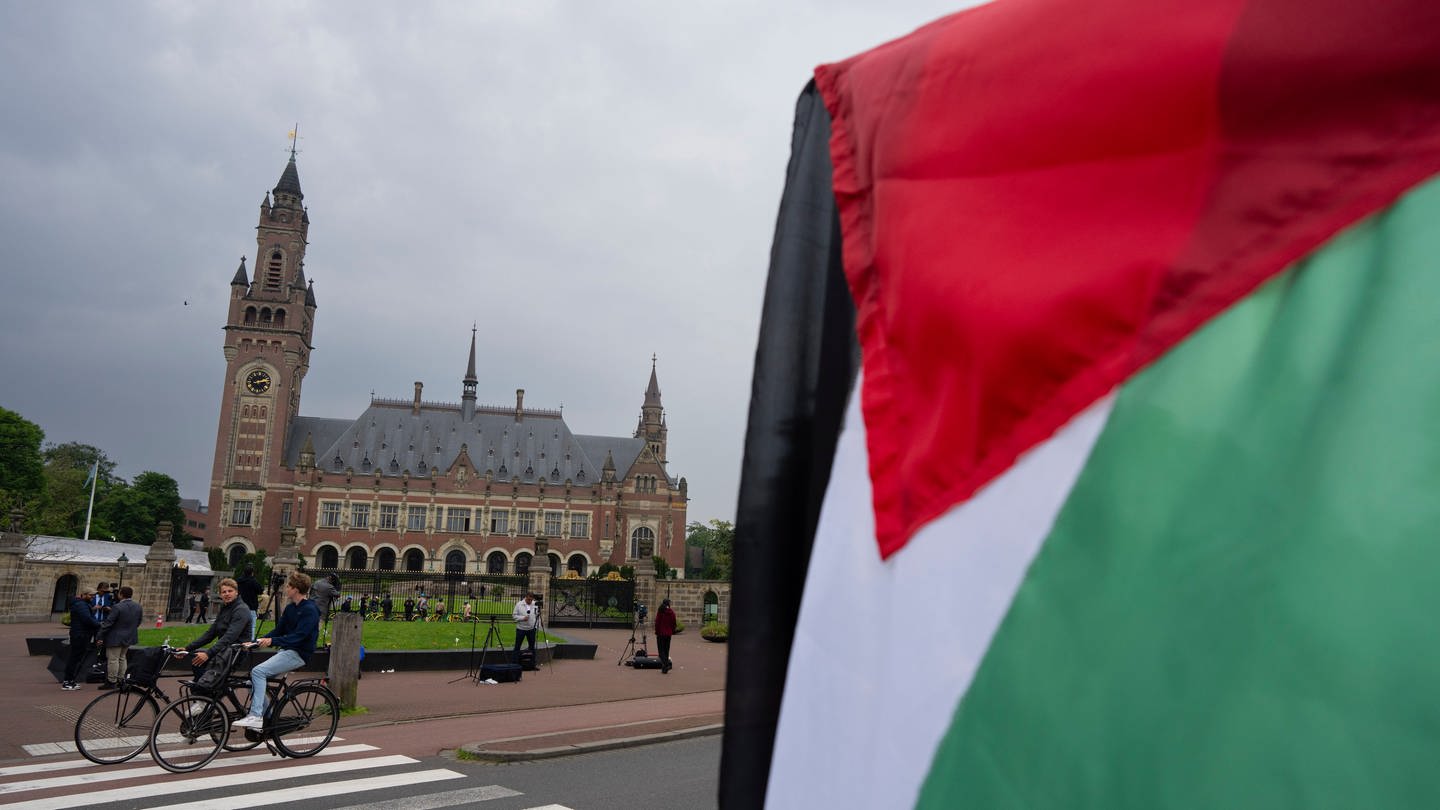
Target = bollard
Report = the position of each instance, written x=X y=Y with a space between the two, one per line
x=344 y=672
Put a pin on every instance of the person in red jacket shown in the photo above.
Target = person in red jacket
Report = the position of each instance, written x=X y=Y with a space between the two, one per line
x=664 y=629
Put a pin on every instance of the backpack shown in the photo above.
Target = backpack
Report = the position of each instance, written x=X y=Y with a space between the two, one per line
x=144 y=664
x=212 y=680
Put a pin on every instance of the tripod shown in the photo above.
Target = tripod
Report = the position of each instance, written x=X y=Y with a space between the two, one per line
x=630 y=651
x=493 y=634
x=471 y=670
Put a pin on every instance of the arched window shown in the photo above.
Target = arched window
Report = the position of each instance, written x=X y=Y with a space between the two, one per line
x=712 y=607
x=414 y=560
x=356 y=558
x=495 y=562
x=455 y=561
x=250 y=315
x=235 y=554
x=642 y=533
x=65 y=588
x=522 y=562
x=279 y=317
x=554 y=564
x=329 y=557
x=265 y=315
x=577 y=564
x=385 y=559
x=274 y=271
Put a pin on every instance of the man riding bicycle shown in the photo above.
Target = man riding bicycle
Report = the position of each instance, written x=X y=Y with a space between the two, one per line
x=294 y=635
x=232 y=626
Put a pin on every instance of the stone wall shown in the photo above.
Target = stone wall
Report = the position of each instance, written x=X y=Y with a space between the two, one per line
x=687 y=599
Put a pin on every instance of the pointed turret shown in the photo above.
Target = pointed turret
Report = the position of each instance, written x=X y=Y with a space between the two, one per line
x=289 y=181
x=241 y=277
x=310 y=295
x=307 y=452
x=652 y=417
x=467 y=398
x=607 y=472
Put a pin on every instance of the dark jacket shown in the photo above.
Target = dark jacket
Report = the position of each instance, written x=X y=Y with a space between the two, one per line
x=82 y=625
x=664 y=622
x=249 y=588
x=322 y=593
x=121 y=627
x=299 y=626
x=231 y=626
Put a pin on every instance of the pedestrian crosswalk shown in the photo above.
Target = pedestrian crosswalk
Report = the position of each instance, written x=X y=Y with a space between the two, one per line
x=247 y=779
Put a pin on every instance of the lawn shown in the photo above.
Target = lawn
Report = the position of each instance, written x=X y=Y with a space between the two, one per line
x=377 y=635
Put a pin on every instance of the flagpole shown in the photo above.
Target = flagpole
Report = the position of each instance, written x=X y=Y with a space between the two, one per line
x=94 y=480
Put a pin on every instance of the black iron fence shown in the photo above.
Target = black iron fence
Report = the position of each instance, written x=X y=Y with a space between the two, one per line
x=383 y=595
x=592 y=602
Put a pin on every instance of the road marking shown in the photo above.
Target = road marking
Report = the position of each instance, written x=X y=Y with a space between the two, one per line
x=433 y=801
x=167 y=788
x=68 y=747
x=549 y=807
x=132 y=772
x=287 y=795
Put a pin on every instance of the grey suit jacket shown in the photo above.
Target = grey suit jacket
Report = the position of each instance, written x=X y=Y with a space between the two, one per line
x=121 y=627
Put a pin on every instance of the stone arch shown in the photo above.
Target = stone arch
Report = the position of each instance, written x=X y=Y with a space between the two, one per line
x=327 y=556
x=640 y=535
x=456 y=561
x=65 y=589
x=279 y=317
x=357 y=557
x=414 y=560
x=579 y=563
x=522 y=562
x=250 y=314
x=234 y=554
x=385 y=557
x=495 y=562
x=555 y=563
x=711 y=607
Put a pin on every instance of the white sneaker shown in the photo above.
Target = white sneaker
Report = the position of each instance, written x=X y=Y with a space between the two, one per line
x=248 y=721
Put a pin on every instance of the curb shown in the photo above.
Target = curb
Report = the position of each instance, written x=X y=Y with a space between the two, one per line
x=478 y=751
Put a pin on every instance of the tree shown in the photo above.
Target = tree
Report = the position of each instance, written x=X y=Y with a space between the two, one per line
x=132 y=512
x=67 y=475
x=22 y=473
x=717 y=538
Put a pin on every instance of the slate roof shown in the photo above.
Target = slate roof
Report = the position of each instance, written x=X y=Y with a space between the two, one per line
x=390 y=437
x=45 y=548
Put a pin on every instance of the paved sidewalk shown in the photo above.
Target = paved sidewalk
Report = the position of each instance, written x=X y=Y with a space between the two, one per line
x=567 y=706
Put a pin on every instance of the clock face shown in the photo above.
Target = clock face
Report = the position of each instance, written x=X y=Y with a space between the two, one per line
x=257 y=381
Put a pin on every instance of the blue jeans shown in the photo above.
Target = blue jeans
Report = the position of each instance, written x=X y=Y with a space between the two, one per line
x=277 y=664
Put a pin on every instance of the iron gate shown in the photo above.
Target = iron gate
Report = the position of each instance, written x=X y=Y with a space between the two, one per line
x=592 y=602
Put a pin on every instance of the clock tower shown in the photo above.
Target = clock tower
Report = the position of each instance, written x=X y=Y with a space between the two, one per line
x=267 y=351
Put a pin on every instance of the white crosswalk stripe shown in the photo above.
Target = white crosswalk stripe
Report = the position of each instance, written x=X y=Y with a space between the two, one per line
x=339 y=770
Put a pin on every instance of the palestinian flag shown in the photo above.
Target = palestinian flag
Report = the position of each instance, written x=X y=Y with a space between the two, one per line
x=1092 y=457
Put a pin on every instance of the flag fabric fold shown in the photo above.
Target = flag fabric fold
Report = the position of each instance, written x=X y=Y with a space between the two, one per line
x=1130 y=506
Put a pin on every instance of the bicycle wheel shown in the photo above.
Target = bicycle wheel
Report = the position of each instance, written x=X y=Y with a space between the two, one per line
x=189 y=733
x=116 y=725
x=305 y=719
x=237 y=703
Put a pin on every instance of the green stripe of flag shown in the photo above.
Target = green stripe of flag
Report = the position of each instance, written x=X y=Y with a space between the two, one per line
x=1238 y=604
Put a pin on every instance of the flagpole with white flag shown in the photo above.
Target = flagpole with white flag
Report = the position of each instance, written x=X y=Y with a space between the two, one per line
x=93 y=480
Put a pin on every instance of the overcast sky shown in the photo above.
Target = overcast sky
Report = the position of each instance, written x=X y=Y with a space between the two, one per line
x=590 y=182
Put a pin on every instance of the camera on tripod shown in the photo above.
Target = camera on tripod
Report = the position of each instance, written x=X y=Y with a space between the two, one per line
x=641 y=611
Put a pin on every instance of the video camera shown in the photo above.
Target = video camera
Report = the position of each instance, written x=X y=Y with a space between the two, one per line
x=641 y=611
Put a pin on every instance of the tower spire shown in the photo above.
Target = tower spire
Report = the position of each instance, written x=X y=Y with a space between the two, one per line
x=467 y=398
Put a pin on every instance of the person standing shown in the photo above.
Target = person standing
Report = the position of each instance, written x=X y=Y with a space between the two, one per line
x=664 y=629
x=386 y=605
x=192 y=606
x=205 y=606
x=525 y=614
x=232 y=624
x=323 y=594
x=409 y=609
x=101 y=602
x=82 y=636
x=118 y=632
x=295 y=635
x=250 y=589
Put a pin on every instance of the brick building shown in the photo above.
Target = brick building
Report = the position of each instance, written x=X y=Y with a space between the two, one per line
x=411 y=484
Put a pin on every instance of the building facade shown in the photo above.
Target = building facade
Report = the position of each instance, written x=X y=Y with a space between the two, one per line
x=412 y=484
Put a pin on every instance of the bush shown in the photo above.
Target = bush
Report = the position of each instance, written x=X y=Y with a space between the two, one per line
x=679 y=627
x=715 y=631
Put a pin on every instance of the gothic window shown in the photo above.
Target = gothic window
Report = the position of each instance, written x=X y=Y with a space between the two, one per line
x=457 y=519
x=642 y=533
x=235 y=555
x=274 y=271
x=579 y=525
x=389 y=516
x=415 y=520
x=360 y=516
x=385 y=559
x=240 y=513
x=525 y=522
x=330 y=516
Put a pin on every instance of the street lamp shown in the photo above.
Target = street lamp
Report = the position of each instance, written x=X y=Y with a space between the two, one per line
x=121 y=563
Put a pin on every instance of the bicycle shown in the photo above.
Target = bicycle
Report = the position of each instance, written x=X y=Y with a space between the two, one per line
x=115 y=727
x=191 y=732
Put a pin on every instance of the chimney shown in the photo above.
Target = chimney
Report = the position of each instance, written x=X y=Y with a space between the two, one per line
x=519 y=404
x=419 y=386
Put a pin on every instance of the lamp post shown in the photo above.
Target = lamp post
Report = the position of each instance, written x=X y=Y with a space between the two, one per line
x=121 y=563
